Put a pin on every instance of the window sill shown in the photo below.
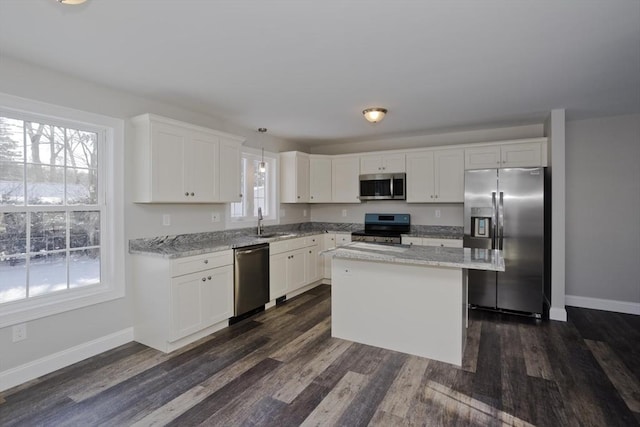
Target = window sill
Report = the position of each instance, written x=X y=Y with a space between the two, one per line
x=36 y=308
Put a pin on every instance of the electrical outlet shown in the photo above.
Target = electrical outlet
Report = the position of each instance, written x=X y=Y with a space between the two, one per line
x=304 y=212
x=437 y=213
x=215 y=217
x=19 y=332
x=344 y=212
x=166 y=220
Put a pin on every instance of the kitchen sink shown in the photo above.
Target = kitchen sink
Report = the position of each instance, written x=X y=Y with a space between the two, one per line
x=273 y=235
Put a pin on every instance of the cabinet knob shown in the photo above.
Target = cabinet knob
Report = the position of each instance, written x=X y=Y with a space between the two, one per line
x=432 y=196
x=204 y=279
x=186 y=194
x=312 y=197
x=309 y=251
x=436 y=196
x=208 y=277
x=298 y=197
x=239 y=195
x=206 y=261
x=193 y=194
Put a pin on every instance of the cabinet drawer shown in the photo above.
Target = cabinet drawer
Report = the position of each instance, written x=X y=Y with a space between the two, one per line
x=297 y=243
x=447 y=243
x=313 y=240
x=342 y=239
x=197 y=263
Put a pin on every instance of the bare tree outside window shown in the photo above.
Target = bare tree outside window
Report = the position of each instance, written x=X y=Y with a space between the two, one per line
x=50 y=209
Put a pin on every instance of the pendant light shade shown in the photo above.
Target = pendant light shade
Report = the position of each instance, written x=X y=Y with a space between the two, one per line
x=374 y=115
x=71 y=2
x=262 y=167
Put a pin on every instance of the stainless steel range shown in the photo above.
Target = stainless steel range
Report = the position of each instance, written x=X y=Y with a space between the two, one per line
x=383 y=228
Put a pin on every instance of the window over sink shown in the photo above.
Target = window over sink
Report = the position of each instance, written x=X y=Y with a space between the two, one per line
x=258 y=189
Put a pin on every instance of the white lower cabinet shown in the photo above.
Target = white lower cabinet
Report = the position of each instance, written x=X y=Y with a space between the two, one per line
x=293 y=264
x=179 y=301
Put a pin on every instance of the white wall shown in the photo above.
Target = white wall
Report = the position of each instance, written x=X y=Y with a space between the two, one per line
x=421 y=213
x=603 y=212
x=60 y=332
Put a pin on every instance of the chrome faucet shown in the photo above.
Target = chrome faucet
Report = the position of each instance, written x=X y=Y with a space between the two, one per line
x=259 y=221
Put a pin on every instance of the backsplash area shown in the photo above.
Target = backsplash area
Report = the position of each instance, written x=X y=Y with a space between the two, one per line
x=421 y=213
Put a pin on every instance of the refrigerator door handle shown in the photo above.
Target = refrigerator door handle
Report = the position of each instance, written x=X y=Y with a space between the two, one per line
x=501 y=221
x=493 y=226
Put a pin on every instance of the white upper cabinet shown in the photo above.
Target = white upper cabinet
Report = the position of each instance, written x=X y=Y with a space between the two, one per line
x=319 y=179
x=345 y=173
x=435 y=176
x=294 y=177
x=532 y=153
x=382 y=163
x=229 y=176
x=177 y=162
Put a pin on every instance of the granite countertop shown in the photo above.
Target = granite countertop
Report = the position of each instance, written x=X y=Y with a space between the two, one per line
x=184 y=245
x=474 y=259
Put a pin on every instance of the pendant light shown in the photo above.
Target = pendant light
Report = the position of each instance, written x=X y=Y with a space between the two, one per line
x=71 y=2
x=263 y=166
x=374 y=115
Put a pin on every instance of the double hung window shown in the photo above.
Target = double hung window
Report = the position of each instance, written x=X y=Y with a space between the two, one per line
x=53 y=211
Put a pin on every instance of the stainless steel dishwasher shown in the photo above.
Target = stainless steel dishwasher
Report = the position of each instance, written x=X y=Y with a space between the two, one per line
x=251 y=284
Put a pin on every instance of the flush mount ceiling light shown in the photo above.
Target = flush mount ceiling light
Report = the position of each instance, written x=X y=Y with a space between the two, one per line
x=374 y=115
x=71 y=2
x=263 y=166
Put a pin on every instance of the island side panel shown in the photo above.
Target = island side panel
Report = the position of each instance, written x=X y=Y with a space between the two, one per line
x=407 y=308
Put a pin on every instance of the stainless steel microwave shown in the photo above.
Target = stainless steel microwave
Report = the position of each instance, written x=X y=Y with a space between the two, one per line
x=383 y=186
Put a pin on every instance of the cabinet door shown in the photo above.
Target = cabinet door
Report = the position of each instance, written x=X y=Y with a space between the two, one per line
x=449 y=176
x=201 y=163
x=168 y=163
x=521 y=155
x=216 y=303
x=295 y=270
x=186 y=315
x=346 y=185
x=482 y=157
x=328 y=243
x=393 y=163
x=294 y=177
x=319 y=179
x=302 y=177
x=229 y=172
x=278 y=275
x=313 y=261
x=420 y=177
x=370 y=164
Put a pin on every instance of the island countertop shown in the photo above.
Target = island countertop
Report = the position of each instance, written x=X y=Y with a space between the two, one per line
x=473 y=259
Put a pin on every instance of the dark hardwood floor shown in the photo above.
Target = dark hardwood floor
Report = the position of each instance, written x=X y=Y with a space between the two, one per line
x=282 y=368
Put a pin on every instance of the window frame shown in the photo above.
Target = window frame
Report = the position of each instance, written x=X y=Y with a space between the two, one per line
x=249 y=221
x=111 y=188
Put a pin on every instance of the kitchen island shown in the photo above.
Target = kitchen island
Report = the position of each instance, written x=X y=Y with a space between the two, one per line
x=411 y=299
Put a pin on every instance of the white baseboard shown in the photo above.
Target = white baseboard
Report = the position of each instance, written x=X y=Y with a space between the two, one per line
x=45 y=365
x=603 y=304
x=557 y=313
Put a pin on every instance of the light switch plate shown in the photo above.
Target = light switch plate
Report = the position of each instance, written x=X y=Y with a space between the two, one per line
x=344 y=212
x=19 y=332
x=166 y=220
x=437 y=213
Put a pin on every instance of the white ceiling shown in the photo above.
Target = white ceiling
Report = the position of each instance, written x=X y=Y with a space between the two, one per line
x=306 y=69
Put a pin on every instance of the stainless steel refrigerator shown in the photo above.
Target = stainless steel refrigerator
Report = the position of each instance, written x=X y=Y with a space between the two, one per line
x=505 y=209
